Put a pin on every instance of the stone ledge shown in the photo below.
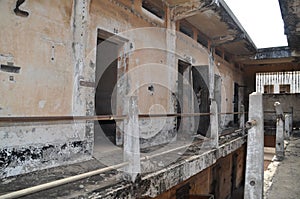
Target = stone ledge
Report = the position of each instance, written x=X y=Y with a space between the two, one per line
x=156 y=183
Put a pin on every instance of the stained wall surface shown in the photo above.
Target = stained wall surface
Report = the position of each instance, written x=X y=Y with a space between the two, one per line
x=55 y=47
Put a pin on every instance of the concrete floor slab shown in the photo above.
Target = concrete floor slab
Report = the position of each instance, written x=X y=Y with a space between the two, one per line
x=286 y=180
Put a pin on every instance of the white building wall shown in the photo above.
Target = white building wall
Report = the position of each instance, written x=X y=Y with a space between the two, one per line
x=276 y=79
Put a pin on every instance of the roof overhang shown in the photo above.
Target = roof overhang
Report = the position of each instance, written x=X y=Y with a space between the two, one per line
x=217 y=22
x=291 y=14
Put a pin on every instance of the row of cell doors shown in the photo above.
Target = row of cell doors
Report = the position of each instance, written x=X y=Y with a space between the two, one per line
x=106 y=78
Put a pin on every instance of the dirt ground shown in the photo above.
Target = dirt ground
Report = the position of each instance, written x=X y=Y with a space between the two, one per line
x=286 y=182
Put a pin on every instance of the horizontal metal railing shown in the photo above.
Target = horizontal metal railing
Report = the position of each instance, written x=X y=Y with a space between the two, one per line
x=100 y=117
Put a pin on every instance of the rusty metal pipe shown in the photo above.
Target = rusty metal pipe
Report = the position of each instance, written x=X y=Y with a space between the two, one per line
x=250 y=124
x=99 y=117
x=60 y=118
x=93 y=118
x=234 y=113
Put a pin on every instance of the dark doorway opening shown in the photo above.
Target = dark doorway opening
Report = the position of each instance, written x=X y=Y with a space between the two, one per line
x=202 y=102
x=236 y=103
x=106 y=80
x=182 y=68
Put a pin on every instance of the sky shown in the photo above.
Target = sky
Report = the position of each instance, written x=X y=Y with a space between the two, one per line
x=262 y=21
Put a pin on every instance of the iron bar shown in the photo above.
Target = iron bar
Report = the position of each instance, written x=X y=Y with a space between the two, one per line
x=229 y=113
x=100 y=117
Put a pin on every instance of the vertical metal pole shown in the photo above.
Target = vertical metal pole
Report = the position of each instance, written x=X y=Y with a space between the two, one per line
x=255 y=149
x=131 y=149
x=214 y=134
x=279 y=132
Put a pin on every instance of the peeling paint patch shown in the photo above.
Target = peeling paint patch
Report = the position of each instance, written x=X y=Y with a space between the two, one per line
x=14 y=161
x=42 y=103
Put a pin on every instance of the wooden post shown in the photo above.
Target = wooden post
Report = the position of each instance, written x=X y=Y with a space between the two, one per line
x=255 y=149
x=279 y=132
x=131 y=148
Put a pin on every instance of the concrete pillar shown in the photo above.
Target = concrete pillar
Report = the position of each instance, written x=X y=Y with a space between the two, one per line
x=278 y=109
x=287 y=125
x=279 y=139
x=131 y=148
x=79 y=31
x=279 y=132
x=255 y=149
x=292 y=116
x=211 y=76
x=214 y=133
x=242 y=119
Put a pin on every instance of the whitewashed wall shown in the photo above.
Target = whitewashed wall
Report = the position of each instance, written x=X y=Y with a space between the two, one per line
x=278 y=78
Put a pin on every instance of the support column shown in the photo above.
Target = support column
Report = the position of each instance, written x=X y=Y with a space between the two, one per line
x=292 y=118
x=279 y=132
x=287 y=124
x=255 y=149
x=211 y=76
x=79 y=30
x=131 y=150
x=214 y=134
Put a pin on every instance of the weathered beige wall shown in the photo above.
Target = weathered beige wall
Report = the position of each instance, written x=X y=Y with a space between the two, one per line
x=55 y=46
x=229 y=75
x=41 y=45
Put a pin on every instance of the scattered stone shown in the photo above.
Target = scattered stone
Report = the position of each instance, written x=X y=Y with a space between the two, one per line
x=81 y=186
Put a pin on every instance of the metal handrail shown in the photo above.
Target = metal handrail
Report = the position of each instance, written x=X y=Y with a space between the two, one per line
x=100 y=117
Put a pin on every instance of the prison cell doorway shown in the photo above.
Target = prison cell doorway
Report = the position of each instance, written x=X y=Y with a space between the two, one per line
x=106 y=80
x=201 y=102
x=218 y=96
x=183 y=73
x=236 y=103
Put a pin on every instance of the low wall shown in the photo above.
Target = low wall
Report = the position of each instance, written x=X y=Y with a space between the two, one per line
x=28 y=147
x=289 y=102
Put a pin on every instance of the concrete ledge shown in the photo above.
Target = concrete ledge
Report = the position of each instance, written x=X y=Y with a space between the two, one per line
x=156 y=183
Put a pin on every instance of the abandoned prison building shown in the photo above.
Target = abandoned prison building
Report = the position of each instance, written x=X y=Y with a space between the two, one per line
x=137 y=98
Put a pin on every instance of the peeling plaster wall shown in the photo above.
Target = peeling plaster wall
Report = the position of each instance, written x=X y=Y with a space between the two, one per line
x=41 y=45
x=55 y=46
x=229 y=75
